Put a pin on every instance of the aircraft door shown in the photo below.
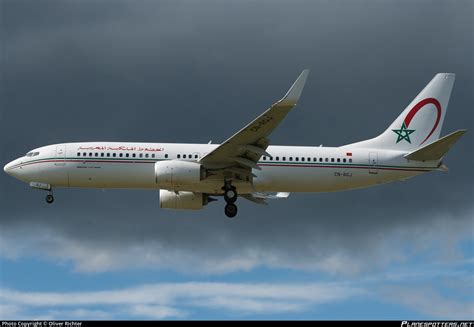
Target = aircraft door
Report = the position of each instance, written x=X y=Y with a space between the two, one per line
x=60 y=155
x=373 y=162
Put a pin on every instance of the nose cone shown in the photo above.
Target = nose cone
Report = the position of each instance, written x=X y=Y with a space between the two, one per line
x=12 y=169
x=7 y=167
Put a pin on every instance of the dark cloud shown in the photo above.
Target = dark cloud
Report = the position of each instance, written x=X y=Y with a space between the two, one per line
x=190 y=72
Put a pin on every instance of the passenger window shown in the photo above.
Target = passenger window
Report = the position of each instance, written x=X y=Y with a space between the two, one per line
x=133 y=155
x=195 y=156
x=108 y=154
x=153 y=155
x=350 y=160
x=96 y=154
x=114 y=154
x=271 y=158
x=309 y=159
x=90 y=154
x=338 y=160
x=297 y=159
x=291 y=158
x=120 y=155
x=344 y=160
x=277 y=158
x=127 y=155
x=166 y=155
x=315 y=159
x=146 y=155
x=84 y=154
x=284 y=158
x=302 y=159
x=141 y=155
x=179 y=156
x=264 y=158
x=320 y=159
x=332 y=159
x=326 y=159
x=184 y=156
x=78 y=154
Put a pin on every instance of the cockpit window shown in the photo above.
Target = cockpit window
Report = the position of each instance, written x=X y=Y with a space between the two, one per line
x=32 y=154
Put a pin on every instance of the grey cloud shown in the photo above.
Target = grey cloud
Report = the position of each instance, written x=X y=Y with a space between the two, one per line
x=183 y=72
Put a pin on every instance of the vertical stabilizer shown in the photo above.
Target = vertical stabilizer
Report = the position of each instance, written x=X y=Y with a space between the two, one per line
x=420 y=123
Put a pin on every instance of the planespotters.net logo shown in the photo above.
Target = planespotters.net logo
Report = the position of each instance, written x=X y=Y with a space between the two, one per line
x=437 y=324
x=404 y=133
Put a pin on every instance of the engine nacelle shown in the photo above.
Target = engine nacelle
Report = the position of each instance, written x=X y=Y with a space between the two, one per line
x=182 y=200
x=175 y=173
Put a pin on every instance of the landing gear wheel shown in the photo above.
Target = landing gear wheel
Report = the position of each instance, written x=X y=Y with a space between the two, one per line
x=49 y=198
x=230 y=210
x=230 y=195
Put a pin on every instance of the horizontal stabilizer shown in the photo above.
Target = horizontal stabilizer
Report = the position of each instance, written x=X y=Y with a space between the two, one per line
x=437 y=149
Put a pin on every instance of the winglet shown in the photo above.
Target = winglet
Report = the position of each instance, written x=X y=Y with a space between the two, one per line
x=292 y=96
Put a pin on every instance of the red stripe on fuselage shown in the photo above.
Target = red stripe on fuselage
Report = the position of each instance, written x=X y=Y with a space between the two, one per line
x=268 y=165
x=82 y=161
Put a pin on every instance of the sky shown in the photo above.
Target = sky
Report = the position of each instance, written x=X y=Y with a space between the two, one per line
x=194 y=71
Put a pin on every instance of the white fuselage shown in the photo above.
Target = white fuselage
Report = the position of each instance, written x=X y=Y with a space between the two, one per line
x=289 y=169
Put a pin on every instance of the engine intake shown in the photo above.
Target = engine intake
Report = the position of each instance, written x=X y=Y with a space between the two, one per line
x=176 y=173
x=182 y=200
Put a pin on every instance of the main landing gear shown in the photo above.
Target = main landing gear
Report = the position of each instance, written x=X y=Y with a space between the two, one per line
x=230 y=196
x=230 y=210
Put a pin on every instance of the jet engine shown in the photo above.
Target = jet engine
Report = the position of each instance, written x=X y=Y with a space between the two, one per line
x=182 y=200
x=171 y=174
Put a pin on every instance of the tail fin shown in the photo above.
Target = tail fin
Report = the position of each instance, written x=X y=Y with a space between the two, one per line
x=420 y=123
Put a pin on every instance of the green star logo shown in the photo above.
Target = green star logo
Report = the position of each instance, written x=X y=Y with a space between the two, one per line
x=403 y=133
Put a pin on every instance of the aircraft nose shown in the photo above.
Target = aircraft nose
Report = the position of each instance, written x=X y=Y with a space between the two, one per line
x=5 y=169
x=8 y=168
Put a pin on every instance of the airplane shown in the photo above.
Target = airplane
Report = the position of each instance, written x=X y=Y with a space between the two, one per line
x=190 y=176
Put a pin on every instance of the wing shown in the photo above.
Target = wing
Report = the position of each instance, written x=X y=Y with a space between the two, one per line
x=243 y=149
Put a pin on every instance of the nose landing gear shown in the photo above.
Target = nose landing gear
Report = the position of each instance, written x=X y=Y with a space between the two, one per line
x=44 y=187
x=49 y=198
